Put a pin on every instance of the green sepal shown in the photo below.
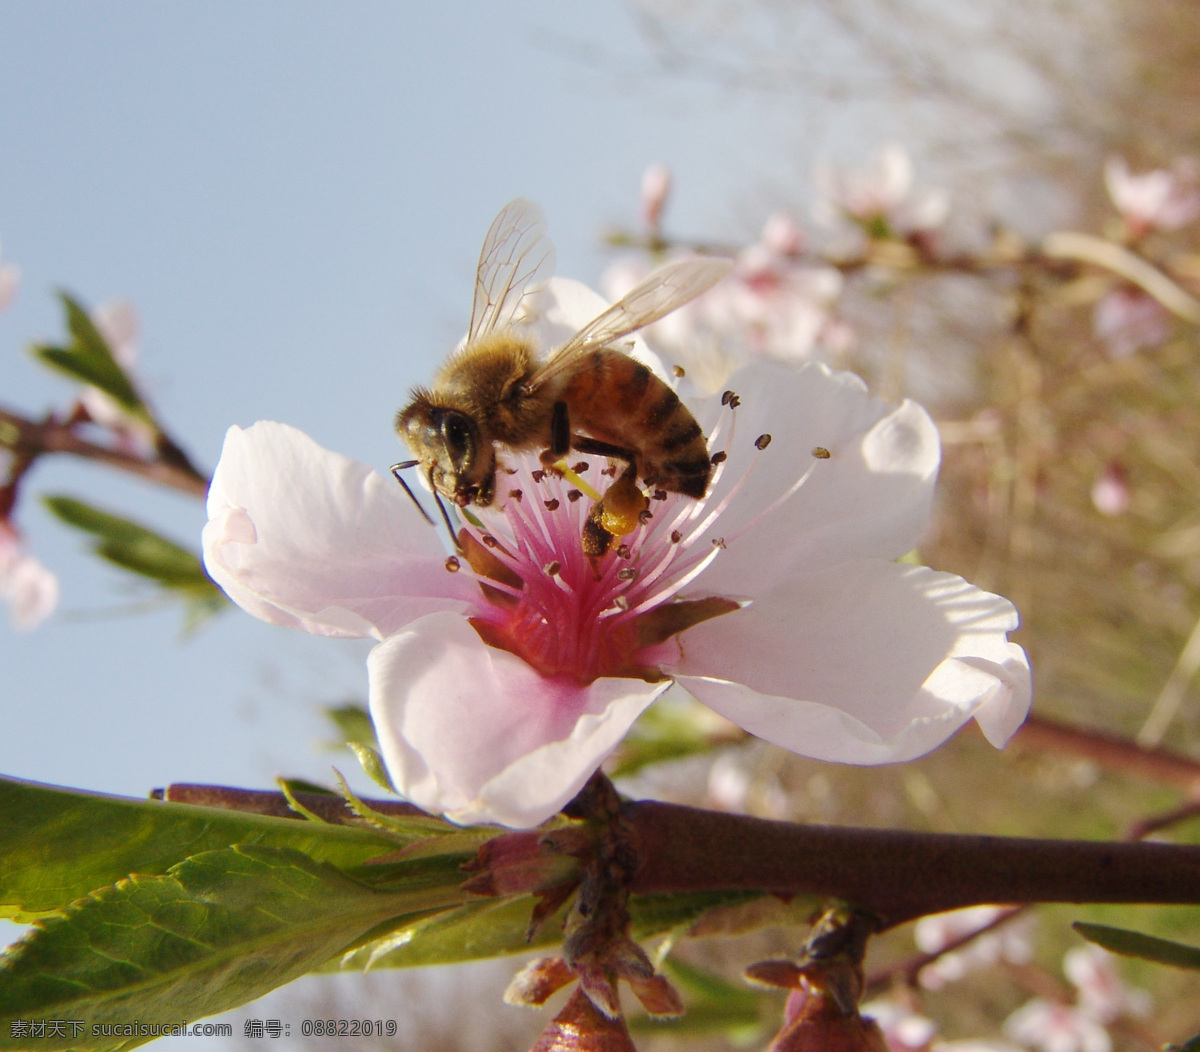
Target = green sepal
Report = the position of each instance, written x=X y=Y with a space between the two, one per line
x=218 y=929
x=1136 y=944
x=372 y=764
x=89 y=359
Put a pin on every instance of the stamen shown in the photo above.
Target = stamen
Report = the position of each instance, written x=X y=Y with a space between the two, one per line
x=452 y=564
x=573 y=477
x=762 y=441
x=821 y=453
x=552 y=504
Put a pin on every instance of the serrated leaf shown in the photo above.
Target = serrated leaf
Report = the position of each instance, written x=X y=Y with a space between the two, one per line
x=476 y=931
x=89 y=359
x=1136 y=944
x=215 y=931
x=139 y=550
x=56 y=845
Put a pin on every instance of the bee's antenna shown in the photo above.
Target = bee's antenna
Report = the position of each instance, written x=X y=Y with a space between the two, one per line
x=445 y=514
x=404 y=466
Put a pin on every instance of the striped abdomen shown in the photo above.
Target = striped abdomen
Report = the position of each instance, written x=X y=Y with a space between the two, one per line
x=616 y=399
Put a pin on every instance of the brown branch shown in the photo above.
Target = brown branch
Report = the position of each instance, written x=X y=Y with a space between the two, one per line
x=1112 y=752
x=33 y=438
x=900 y=875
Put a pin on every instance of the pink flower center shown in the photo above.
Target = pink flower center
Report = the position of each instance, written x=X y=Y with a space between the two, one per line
x=561 y=611
x=568 y=614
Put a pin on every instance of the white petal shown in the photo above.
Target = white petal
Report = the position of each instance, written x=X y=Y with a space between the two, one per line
x=870 y=498
x=869 y=662
x=476 y=734
x=31 y=591
x=303 y=537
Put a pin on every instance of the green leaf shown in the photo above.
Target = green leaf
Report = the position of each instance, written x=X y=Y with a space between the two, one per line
x=89 y=359
x=353 y=722
x=1135 y=944
x=215 y=931
x=476 y=931
x=135 y=548
x=56 y=845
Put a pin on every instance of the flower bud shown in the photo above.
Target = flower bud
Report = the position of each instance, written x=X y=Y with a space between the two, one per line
x=581 y=1027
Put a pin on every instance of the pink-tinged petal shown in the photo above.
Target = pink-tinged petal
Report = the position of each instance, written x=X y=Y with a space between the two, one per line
x=476 y=734
x=866 y=662
x=303 y=537
x=31 y=591
x=871 y=498
x=10 y=279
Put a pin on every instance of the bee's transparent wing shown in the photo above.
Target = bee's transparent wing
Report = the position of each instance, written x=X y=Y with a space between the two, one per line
x=667 y=289
x=516 y=257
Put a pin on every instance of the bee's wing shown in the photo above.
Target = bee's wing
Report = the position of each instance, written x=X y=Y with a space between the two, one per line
x=516 y=256
x=668 y=288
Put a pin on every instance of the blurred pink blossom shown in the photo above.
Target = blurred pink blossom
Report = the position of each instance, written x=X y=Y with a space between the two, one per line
x=1110 y=491
x=1101 y=992
x=772 y=304
x=10 y=278
x=1155 y=200
x=1129 y=320
x=904 y=1030
x=1053 y=1027
x=1011 y=942
x=880 y=198
x=30 y=590
x=656 y=187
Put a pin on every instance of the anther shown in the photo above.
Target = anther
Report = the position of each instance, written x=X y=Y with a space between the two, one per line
x=552 y=568
x=627 y=573
x=727 y=397
x=490 y=541
x=645 y=516
x=762 y=441
x=623 y=551
x=821 y=453
x=552 y=504
x=581 y=467
x=621 y=603
x=677 y=370
x=720 y=457
x=515 y=494
x=610 y=470
x=573 y=495
x=676 y=536
x=452 y=564
x=718 y=542
x=538 y=475
x=660 y=494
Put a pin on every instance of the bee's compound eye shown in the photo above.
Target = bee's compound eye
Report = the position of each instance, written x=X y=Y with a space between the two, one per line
x=456 y=433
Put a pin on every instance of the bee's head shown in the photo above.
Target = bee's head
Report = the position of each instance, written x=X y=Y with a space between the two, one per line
x=461 y=465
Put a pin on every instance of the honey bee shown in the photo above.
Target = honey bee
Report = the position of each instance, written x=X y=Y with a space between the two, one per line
x=587 y=395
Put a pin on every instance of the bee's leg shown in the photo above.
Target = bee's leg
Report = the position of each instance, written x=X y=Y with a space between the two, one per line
x=584 y=444
x=560 y=431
